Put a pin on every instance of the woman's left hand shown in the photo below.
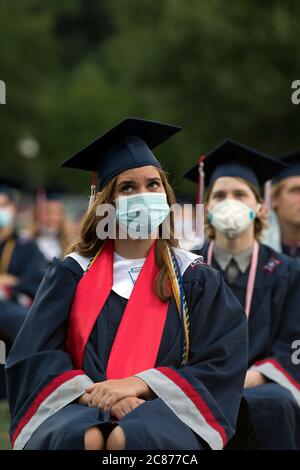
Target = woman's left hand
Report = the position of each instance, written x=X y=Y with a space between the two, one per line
x=125 y=406
x=106 y=394
x=254 y=378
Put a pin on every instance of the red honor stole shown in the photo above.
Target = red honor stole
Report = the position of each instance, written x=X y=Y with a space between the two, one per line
x=138 y=338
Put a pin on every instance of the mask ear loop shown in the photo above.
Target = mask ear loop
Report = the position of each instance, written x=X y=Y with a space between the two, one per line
x=93 y=191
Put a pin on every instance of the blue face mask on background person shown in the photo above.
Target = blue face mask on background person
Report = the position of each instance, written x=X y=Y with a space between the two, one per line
x=141 y=214
x=6 y=217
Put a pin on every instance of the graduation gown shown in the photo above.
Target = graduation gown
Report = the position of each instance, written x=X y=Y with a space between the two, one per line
x=194 y=406
x=274 y=326
x=291 y=250
x=28 y=264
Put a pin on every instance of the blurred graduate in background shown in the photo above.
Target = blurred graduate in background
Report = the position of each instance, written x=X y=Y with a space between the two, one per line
x=22 y=265
x=51 y=228
x=284 y=232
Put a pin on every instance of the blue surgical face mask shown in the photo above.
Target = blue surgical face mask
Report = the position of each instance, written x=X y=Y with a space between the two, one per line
x=141 y=214
x=6 y=217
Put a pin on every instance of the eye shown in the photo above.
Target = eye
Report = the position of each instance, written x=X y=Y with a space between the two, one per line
x=218 y=196
x=126 y=188
x=154 y=185
x=295 y=190
x=240 y=194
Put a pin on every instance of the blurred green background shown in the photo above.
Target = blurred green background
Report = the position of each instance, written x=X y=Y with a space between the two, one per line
x=74 y=68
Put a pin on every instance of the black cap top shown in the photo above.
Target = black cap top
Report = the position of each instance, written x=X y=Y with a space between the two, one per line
x=52 y=192
x=231 y=158
x=127 y=145
x=8 y=186
x=293 y=166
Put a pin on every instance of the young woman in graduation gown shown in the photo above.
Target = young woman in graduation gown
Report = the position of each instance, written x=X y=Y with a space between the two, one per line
x=267 y=283
x=130 y=343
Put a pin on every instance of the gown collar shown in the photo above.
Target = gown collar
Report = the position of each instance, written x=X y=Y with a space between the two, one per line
x=126 y=270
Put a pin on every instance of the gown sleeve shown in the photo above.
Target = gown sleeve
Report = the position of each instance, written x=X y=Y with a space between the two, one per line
x=40 y=375
x=205 y=394
x=281 y=363
x=31 y=266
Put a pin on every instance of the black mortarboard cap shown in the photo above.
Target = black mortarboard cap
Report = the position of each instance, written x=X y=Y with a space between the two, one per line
x=9 y=186
x=292 y=160
x=127 y=145
x=231 y=158
x=52 y=192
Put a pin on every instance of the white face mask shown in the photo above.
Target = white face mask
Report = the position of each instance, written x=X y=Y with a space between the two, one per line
x=232 y=217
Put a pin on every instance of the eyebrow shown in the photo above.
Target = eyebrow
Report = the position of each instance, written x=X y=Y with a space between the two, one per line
x=133 y=181
x=222 y=191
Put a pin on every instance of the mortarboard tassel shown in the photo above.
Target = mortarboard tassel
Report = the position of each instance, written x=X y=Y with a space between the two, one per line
x=267 y=193
x=267 y=198
x=93 y=191
x=200 y=196
x=200 y=193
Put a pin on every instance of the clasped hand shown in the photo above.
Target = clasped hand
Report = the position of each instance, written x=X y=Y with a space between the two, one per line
x=119 y=397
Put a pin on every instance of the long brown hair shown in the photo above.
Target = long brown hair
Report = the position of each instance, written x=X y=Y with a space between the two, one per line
x=89 y=244
x=260 y=223
x=277 y=188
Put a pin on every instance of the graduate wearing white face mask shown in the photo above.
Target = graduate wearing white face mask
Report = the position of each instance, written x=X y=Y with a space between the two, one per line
x=235 y=216
x=265 y=282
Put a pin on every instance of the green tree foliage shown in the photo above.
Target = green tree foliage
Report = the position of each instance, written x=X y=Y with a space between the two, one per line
x=74 y=68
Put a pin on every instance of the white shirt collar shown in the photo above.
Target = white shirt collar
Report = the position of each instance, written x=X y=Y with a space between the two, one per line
x=126 y=270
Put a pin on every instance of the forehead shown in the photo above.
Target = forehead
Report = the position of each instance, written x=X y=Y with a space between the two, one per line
x=229 y=183
x=142 y=172
x=291 y=181
x=54 y=205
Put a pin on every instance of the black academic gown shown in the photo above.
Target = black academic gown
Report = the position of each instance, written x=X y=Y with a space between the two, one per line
x=290 y=250
x=274 y=326
x=28 y=264
x=195 y=406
